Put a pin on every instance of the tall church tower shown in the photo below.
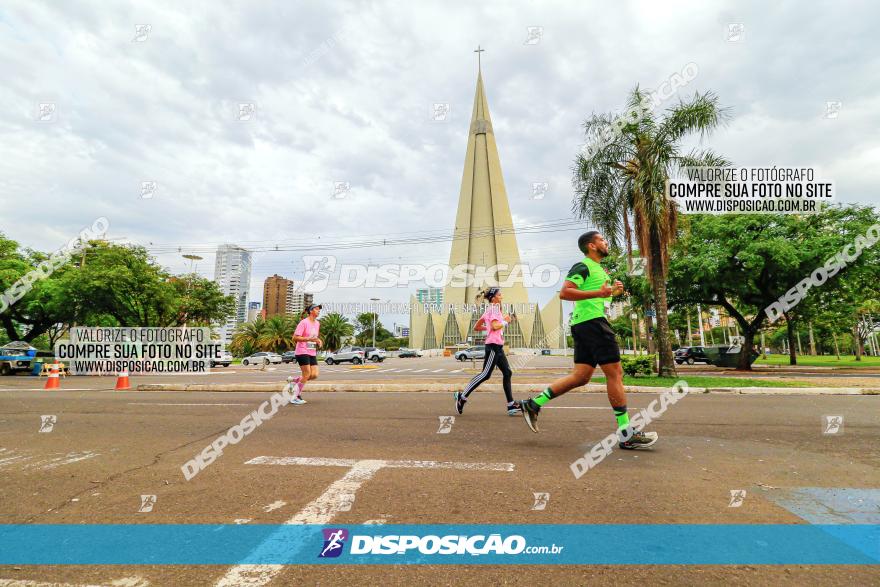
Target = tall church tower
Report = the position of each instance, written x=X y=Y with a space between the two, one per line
x=483 y=238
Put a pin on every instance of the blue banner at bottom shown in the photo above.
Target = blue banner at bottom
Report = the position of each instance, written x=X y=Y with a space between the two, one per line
x=601 y=544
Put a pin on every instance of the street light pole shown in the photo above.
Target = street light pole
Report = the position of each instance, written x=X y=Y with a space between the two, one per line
x=700 y=322
x=374 y=300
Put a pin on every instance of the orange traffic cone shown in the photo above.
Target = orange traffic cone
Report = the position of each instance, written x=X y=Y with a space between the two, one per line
x=53 y=382
x=122 y=381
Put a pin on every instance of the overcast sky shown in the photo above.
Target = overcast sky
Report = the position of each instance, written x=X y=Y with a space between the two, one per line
x=344 y=92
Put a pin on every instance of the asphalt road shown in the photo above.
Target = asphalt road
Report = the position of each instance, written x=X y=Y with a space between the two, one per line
x=397 y=370
x=106 y=449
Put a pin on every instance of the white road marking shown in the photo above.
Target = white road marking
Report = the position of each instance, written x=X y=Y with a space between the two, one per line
x=54 y=461
x=325 y=462
x=126 y=582
x=420 y=370
x=402 y=370
x=457 y=371
x=336 y=498
x=69 y=458
x=274 y=506
x=438 y=370
x=41 y=389
x=574 y=408
x=158 y=404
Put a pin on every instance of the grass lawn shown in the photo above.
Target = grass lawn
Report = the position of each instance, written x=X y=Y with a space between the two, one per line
x=705 y=381
x=848 y=361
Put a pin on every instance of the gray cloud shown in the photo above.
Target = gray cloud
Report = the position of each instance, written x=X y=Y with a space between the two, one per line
x=343 y=93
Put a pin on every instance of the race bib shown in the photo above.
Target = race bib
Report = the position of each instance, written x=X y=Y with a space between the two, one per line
x=311 y=345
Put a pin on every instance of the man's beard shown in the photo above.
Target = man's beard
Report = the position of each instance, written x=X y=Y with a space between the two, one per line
x=602 y=253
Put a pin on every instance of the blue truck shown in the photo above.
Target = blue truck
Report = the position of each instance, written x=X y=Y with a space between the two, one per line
x=15 y=357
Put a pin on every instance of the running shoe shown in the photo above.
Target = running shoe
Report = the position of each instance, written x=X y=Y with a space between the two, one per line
x=459 y=402
x=639 y=440
x=297 y=401
x=514 y=408
x=530 y=412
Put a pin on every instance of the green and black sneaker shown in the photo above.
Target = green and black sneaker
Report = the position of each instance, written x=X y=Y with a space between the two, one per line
x=530 y=412
x=639 y=440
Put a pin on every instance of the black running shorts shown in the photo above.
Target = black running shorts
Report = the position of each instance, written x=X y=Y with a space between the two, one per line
x=594 y=343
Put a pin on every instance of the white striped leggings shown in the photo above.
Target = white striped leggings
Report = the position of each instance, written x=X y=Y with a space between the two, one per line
x=494 y=356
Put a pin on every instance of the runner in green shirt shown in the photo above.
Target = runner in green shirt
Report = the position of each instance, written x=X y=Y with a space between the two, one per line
x=588 y=286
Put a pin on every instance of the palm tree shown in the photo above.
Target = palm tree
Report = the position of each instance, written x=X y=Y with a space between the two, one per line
x=626 y=174
x=277 y=334
x=245 y=339
x=334 y=328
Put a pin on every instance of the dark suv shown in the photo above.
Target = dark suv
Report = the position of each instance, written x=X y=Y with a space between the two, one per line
x=691 y=355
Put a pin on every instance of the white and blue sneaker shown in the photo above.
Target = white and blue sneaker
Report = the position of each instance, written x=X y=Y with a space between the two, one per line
x=298 y=401
x=514 y=408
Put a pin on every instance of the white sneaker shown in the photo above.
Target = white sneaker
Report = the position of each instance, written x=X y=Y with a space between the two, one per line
x=298 y=401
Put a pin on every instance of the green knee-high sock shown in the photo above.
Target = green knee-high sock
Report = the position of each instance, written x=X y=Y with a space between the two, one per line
x=624 y=430
x=545 y=397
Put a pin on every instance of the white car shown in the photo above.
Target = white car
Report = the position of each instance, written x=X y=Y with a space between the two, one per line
x=224 y=360
x=262 y=358
x=355 y=354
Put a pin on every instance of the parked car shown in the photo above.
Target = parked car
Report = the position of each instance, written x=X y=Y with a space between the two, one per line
x=474 y=352
x=225 y=359
x=375 y=354
x=691 y=355
x=409 y=353
x=261 y=358
x=353 y=354
x=288 y=357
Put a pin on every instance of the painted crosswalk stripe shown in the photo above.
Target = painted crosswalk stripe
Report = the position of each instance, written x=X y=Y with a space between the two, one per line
x=324 y=508
x=438 y=370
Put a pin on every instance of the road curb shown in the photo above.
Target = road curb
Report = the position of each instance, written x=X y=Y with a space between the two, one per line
x=524 y=388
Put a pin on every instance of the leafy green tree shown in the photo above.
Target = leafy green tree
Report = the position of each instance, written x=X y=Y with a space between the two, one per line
x=625 y=172
x=277 y=334
x=365 y=322
x=744 y=263
x=245 y=339
x=198 y=301
x=334 y=329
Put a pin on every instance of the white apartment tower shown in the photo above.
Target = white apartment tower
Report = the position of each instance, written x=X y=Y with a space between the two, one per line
x=232 y=272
